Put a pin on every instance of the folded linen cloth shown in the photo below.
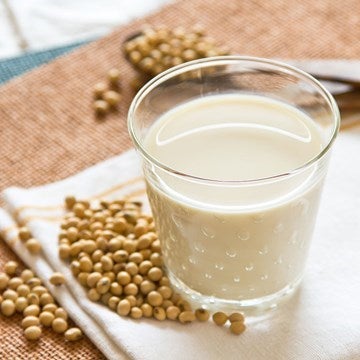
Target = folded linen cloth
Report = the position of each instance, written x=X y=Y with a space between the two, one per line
x=321 y=321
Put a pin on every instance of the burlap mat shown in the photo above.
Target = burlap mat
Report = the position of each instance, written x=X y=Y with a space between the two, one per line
x=47 y=127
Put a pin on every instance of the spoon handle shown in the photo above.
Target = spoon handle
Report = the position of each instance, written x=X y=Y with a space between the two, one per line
x=338 y=79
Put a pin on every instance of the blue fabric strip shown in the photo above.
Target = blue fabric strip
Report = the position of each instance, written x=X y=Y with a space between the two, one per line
x=16 y=66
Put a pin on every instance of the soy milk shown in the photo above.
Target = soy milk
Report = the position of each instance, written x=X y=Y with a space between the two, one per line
x=232 y=238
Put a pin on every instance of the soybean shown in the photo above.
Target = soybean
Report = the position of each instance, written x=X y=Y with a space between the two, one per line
x=30 y=321
x=237 y=327
x=73 y=334
x=33 y=246
x=202 y=314
x=220 y=318
x=59 y=325
x=32 y=333
x=236 y=317
x=57 y=279
x=186 y=317
x=7 y=307
x=11 y=267
x=46 y=318
x=4 y=280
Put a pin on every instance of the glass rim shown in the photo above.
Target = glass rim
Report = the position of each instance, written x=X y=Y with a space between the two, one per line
x=222 y=60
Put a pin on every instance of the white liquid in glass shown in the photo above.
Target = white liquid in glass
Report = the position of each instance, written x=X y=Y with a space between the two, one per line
x=231 y=240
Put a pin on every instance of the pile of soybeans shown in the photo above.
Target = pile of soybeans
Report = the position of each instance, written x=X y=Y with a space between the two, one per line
x=114 y=252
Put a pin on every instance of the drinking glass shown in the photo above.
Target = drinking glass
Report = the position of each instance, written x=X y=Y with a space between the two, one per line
x=233 y=249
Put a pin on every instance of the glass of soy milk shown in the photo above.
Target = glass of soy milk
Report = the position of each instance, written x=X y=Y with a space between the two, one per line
x=234 y=151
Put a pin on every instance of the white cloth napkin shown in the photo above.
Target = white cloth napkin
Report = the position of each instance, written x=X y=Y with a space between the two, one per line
x=321 y=321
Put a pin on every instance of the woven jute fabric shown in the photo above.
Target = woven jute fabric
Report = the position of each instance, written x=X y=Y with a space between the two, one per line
x=47 y=126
